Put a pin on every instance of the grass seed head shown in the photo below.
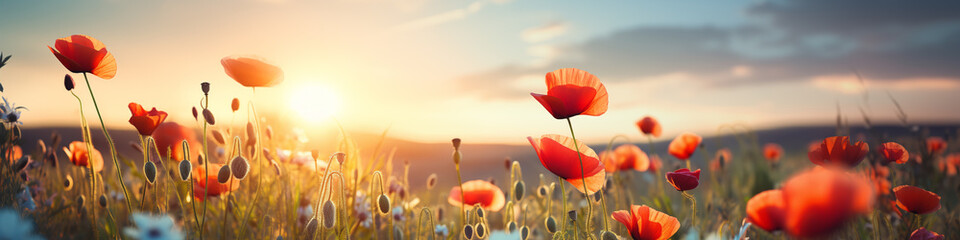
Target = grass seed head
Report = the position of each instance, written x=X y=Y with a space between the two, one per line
x=235 y=104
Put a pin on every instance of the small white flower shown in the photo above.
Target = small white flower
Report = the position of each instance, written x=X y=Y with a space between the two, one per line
x=10 y=112
x=398 y=214
x=151 y=227
x=441 y=230
x=14 y=227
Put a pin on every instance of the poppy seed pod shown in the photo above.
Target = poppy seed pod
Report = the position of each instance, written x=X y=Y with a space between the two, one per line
x=481 y=230
x=235 y=104
x=218 y=137
x=239 y=167
x=384 y=203
x=150 y=171
x=68 y=82
x=431 y=181
x=607 y=235
x=329 y=214
x=194 y=111
x=103 y=200
x=518 y=190
x=205 y=87
x=340 y=157
x=468 y=232
x=551 y=224
x=572 y=214
x=224 y=175
x=208 y=116
x=456 y=143
x=185 y=168
x=68 y=183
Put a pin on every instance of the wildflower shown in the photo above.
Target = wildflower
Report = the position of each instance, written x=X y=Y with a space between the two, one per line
x=916 y=200
x=924 y=234
x=936 y=145
x=397 y=214
x=10 y=112
x=14 y=227
x=894 y=152
x=305 y=211
x=77 y=152
x=145 y=122
x=684 y=179
x=819 y=201
x=171 y=135
x=441 y=230
x=81 y=53
x=645 y=223
x=649 y=126
x=684 y=145
x=772 y=152
x=572 y=92
x=14 y=153
x=153 y=227
x=557 y=154
x=627 y=156
x=766 y=210
x=838 y=150
x=478 y=192
x=361 y=207
x=202 y=179
x=252 y=71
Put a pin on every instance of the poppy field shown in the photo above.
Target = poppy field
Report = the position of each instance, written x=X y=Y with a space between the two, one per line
x=232 y=175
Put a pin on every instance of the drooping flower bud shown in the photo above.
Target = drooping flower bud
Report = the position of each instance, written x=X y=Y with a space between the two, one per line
x=480 y=211
x=150 y=171
x=511 y=226
x=542 y=191
x=68 y=82
x=518 y=190
x=384 y=203
x=208 y=116
x=185 y=168
x=468 y=232
x=68 y=183
x=608 y=235
x=80 y=200
x=431 y=181
x=239 y=167
x=310 y=229
x=551 y=224
x=481 y=230
x=269 y=132
x=235 y=104
x=224 y=175
x=329 y=214
x=218 y=137
x=251 y=134
x=103 y=200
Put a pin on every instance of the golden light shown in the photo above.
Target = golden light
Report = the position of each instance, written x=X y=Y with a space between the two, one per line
x=314 y=102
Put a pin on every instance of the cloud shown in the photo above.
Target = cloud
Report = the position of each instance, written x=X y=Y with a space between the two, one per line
x=545 y=32
x=850 y=84
x=448 y=16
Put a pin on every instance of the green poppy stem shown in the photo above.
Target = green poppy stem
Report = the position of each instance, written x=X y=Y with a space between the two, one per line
x=582 y=175
x=113 y=150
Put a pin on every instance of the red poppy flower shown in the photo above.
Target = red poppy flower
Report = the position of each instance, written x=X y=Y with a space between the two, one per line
x=77 y=152
x=572 y=92
x=201 y=179
x=772 y=152
x=684 y=179
x=767 y=210
x=878 y=176
x=478 y=192
x=821 y=200
x=838 y=151
x=170 y=135
x=14 y=153
x=936 y=145
x=655 y=163
x=894 y=152
x=82 y=53
x=650 y=126
x=684 y=145
x=916 y=200
x=949 y=164
x=144 y=121
x=624 y=157
x=559 y=155
x=645 y=223
x=721 y=159
x=924 y=234
x=252 y=71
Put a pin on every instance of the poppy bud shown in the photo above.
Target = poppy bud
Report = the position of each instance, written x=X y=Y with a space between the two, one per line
x=235 y=104
x=340 y=157
x=596 y=196
x=431 y=181
x=269 y=132
x=511 y=226
x=329 y=214
x=194 y=113
x=68 y=82
x=481 y=230
x=185 y=168
x=384 y=203
x=205 y=87
x=310 y=229
x=251 y=134
x=572 y=214
x=480 y=211
x=239 y=167
x=607 y=235
x=468 y=232
x=224 y=175
x=542 y=191
x=150 y=171
x=314 y=153
x=518 y=190
x=21 y=164
x=507 y=163
x=103 y=200
x=218 y=137
x=524 y=233
x=551 y=224
x=276 y=168
x=208 y=116
x=80 y=201
x=68 y=183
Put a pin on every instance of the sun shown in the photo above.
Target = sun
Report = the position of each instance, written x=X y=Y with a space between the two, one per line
x=314 y=102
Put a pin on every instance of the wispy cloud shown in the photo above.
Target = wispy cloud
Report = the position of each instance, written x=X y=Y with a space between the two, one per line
x=851 y=84
x=545 y=32
x=445 y=17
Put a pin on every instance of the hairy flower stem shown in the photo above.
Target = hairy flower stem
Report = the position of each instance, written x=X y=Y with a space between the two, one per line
x=88 y=142
x=563 y=198
x=463 y=212
x=583 y=176
x=206 y=167
x=693 y=200
x=257 y=157
x=113 y=150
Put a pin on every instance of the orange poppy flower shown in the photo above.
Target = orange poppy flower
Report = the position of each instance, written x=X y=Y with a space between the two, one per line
x=650 y=126
x=916 y=200
x=655 y=163
x=77 y=152
x=645 y=223
x=766 y=210
x=201 y=179
x=82 y=53
x=772 y=152
x=683 y=179
x=878 y=176
x=252 y=71
x=684 y=145
x=821 y=200
x=478 y=192
x=170 y=135
x=624 y=157
x=721 y=159
x=949 y=164
x=145 y=122
x=559 y=155
x=14 y=153
x=924 y=234
x=936 y=145
x=894 y=152
x=572 y=92
x=839 y=151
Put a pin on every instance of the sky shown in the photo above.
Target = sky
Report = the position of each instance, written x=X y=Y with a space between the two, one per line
x=431 y=70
